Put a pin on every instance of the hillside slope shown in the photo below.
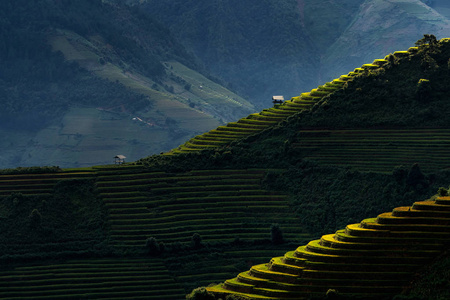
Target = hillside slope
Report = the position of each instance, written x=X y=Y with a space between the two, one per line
x=169 y=223
x=131 y=84
x=369 y=128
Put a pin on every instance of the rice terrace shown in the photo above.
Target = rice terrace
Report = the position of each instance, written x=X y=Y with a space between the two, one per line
x=338 y=193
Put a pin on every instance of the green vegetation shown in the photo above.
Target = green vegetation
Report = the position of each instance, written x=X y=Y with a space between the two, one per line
x=260 y=187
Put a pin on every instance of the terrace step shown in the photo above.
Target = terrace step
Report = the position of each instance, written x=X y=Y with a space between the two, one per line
x=357 y=230
x=430 y=205
x=297 y=105
x=443 y=200
x=361 y=267
x=238 y=286
x=277 y=264
x=247 y=125
x=237 y=129
x=262 y=271
x=408 y=229
x=342 y=236
x=204 y=141
x=246 y=278
x=407 y=211
x=302 y=252
x=291 y=259
x=390 y=219
x=386 y=278
x=316 y=247
x=330 y=241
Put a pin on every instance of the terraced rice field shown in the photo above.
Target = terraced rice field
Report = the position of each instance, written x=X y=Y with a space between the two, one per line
x=220 y=205
x=38 y=184
x=257 y=122
x=375 y=258
x=377 y=150
x=91 y=279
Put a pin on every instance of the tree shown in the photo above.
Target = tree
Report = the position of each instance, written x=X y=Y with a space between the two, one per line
x=152 y=246
x=415 y=177
x=428 y=39
x=200 y=294
x=442 y=192
x=196 y=241
x=35 y=218
x=276 y=234
x=423 y=89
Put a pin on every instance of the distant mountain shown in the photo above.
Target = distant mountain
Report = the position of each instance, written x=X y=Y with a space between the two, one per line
x=380 y=27
x=82 y=81
x=287 y=47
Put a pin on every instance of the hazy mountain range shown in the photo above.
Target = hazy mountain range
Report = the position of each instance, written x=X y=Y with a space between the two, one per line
x=82 y=81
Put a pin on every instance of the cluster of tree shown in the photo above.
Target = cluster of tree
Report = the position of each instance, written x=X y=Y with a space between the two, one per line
x=31 y=170
x=153 y=247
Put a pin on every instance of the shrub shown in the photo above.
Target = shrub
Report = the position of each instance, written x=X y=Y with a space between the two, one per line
x=196 y=241
x=152 y=246
x=399 y=173
x=429 y=63
x=442 y=192
x=35 y=218
x=236 y=297
x=200 y=294
x=332 y=294
x=276 y=234
x=415 y=177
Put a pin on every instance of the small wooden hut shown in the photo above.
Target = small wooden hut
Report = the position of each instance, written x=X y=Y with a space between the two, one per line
x=119 y=159
x=277 y=100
